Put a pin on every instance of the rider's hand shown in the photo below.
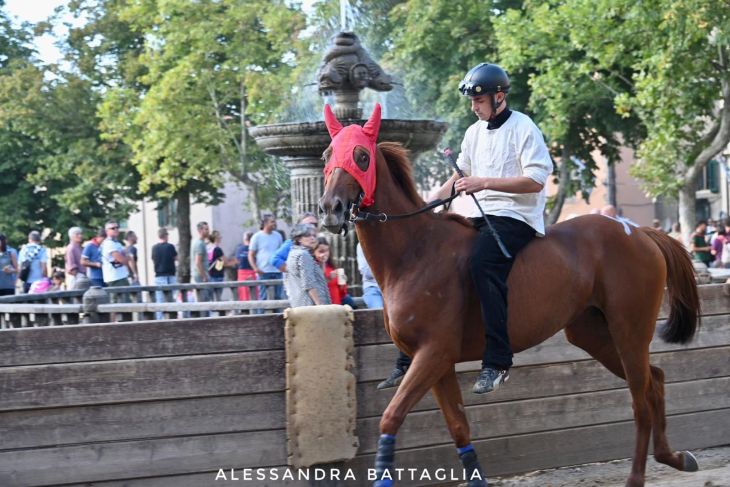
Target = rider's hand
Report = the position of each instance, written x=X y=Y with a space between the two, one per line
x=471 y=184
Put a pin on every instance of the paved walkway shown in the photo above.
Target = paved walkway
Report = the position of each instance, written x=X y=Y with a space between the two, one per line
x=714 y=472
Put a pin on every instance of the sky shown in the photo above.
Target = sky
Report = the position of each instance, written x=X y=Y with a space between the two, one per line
x=36 y=11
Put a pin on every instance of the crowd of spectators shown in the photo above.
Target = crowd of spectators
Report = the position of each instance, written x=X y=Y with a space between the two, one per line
x=303 y=262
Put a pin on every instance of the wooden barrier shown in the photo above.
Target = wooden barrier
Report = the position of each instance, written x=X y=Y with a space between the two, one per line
x=169 y=403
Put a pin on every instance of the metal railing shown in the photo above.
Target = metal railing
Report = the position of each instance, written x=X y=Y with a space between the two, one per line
x=138 y=303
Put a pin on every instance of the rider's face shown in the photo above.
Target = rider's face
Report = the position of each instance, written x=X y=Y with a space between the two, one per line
x=482 y=105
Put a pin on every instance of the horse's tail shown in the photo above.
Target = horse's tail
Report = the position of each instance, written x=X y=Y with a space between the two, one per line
x=684 y=300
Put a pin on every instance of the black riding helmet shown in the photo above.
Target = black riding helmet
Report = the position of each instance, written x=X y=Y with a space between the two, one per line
x=484 y=79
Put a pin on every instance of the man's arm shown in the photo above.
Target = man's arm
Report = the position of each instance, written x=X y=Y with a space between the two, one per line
x=199 y=265
x=132 y=266
x=445 y=191
x=314 y=295
x=252 y=261
x=119 y=257
x=516 y=185
x=278 y=260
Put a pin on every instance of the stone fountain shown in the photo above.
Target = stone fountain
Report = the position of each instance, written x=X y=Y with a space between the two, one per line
x=346 y=70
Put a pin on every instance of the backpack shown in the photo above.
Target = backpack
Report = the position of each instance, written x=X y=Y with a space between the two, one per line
x=25 y=265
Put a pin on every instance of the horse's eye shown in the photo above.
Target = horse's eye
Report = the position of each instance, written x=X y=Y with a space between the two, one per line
x=363 y=160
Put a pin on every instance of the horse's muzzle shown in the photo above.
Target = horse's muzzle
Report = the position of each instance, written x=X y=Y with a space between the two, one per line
x=333 y=213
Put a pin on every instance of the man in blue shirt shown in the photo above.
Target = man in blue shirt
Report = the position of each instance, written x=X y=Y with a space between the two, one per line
x=282 y=253
x=264 y=244
x=91 y=259
x=36 y=254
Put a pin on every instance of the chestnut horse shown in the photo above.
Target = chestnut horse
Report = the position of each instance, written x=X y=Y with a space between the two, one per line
x=599 y=281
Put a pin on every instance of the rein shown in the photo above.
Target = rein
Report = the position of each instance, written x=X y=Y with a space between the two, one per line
x=357 y=215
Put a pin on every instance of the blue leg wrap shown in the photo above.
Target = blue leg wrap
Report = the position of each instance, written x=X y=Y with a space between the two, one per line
x=469 y=460
x=384 y=460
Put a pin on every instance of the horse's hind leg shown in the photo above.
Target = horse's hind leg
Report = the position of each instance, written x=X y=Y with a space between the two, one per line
x=662 y=452
x=590 y=332
x=448 y=395
x=625 y=353
x=427 y=368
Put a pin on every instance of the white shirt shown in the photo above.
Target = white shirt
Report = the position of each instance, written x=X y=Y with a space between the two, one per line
x=109 y=268
x=515 y=149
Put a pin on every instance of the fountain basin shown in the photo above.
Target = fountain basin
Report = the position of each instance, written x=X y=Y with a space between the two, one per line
x=310 y=139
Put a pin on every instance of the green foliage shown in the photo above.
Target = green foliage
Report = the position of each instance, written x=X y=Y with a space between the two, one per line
x=56 y=172
x=430 y=62
x=647 y=72
x=572 y=89
x=212 y=69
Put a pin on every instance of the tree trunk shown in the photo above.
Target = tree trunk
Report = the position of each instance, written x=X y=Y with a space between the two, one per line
x=687 y=205
x=563 y=184
x=612 y=196
x=183 y=225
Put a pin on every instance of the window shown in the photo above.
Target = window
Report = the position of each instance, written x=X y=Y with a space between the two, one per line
x=167 y=213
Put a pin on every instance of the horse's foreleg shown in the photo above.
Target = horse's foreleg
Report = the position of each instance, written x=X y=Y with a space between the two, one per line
x=448 y=395
x=425 y=370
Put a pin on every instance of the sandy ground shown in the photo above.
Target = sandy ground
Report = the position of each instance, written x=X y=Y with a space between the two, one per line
x=714 y=472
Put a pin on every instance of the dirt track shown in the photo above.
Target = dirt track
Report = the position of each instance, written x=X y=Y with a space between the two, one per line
x=714 y=472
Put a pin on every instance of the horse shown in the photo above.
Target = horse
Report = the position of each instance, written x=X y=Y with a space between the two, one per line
x=600 y=281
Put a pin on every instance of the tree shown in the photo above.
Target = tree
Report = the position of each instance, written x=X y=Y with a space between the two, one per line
x=212 y=68
x=664 y=64
x=393 y=31
x=571 y=93
x=57 y=173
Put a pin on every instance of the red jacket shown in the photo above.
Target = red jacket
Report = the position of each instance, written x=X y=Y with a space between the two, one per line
x=337 y=292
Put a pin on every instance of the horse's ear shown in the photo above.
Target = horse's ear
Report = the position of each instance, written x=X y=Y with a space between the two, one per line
x=333 y=125
x=372 y=126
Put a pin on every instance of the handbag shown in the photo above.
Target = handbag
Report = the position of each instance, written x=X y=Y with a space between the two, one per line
x=25 y=265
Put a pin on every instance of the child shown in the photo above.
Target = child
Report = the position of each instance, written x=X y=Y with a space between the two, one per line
x=338 y=292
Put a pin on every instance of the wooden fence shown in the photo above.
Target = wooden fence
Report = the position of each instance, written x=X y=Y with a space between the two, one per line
x=169 y=403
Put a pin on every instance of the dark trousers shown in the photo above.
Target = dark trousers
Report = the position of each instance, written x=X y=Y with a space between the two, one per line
x=489 y=271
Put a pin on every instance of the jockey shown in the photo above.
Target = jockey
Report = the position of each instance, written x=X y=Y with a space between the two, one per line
x=506 y=165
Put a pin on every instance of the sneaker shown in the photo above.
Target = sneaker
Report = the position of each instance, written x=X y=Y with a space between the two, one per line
x=489 y=379
x=393 y=380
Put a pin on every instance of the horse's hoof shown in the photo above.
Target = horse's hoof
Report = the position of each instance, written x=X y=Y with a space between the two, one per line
x=690 y=462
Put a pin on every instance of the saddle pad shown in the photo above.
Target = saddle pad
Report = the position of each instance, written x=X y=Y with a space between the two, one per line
x=320 y=385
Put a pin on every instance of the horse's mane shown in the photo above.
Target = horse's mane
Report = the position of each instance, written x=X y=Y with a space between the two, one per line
x=396 y=156
x=401 y=169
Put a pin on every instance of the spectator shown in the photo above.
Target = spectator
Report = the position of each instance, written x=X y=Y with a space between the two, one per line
x=37 y=257
x=698 y=244
x=725 y=259
x=245 y=271
x=305 y=282
x=279 y=258
x=371 y=293
x=657 y=225
x=264 y=244
x=58 y=281
x=8 y=267
x=130 y=250
x=42 y=285
x=718 y=246
x=676 y=232
x=199 y=253
x=336 y=278
x=164 y=256
x=217 y=262
x=91 y=258
x=113 y=259
x=72 y=257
